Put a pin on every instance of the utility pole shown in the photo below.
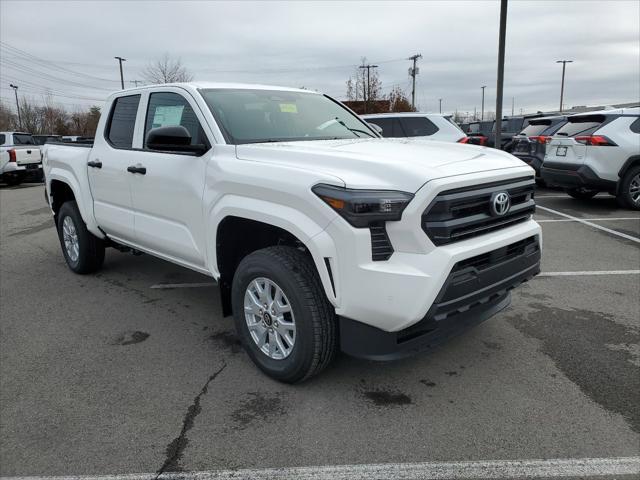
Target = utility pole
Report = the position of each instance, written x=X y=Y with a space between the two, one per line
x=367 y=96
x=482 y=110
x=440 y=100
x=120 y=60
x=501 y=47
x=564 y=66
x=413 y=71
x=513 y=101
x=15 y=90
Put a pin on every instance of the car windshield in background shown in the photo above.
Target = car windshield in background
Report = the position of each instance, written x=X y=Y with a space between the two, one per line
x=23 y=139
x=256 y=116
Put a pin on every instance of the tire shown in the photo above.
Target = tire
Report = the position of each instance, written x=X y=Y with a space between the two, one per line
x=315 y=338
x=581 y=193
x=630 y=188
x=89 y=255
x=13 y=180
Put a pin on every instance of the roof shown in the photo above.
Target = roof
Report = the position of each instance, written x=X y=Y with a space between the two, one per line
x=402 y=114
x=219 y=85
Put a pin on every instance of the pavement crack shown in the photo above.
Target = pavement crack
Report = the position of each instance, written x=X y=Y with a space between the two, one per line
x=176 y=448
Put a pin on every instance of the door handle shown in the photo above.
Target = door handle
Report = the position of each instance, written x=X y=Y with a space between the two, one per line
x=94 y=164
x=137 y=169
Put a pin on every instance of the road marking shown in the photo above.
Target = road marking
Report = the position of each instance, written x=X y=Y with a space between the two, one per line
x=603 y=219
x=492 y=469
x=184 y=285
x=592 y=272
x=594 y=225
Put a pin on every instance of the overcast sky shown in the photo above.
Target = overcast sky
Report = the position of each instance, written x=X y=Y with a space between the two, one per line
x=318 y=44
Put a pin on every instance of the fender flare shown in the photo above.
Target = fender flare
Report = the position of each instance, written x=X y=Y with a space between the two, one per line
x=310 y=233
x=630 y=162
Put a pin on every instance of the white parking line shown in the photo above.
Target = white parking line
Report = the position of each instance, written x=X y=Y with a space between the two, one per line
x=184 y=285
x=587 y=273
x=602 y=219
x=496 y=469
x=594 y=225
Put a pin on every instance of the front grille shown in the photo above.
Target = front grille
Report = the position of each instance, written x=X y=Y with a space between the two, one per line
x=381 y=248
x=463 y=213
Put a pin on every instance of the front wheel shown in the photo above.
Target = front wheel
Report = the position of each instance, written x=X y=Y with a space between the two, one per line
x=83 y=251
x=581 y=193
x=629 y=195
x=282 y=315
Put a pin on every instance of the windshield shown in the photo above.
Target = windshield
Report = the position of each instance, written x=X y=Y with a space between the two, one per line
x=255 y=116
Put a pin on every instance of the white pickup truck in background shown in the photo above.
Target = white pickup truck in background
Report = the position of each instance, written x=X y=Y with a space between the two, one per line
x=321 y=235
x=19 y=157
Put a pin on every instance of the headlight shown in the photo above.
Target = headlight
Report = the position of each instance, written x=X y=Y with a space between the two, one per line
x=362 y=207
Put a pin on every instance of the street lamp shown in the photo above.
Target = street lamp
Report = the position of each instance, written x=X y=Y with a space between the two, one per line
x=15 y=90
x=564 y=66
x=482 y=111
x=120 y=60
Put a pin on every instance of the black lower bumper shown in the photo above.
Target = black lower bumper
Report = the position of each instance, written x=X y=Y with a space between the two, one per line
x=476 y=289
x=574 y=176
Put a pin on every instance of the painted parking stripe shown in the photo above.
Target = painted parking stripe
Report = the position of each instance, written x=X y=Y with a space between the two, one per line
x=184 y=285
x=498 y=469
x=602 y=219
x=589 y=272
x=594 y=225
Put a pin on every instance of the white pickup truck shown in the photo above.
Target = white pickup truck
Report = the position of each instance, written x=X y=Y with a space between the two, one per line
x=320 y=234
x=19 y=157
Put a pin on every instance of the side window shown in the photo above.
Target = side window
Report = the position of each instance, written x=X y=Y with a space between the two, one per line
x=2 y=139
x=635 y=126
x=390 y=127
x=123 y=121
x=418 y=126
x=170 y=109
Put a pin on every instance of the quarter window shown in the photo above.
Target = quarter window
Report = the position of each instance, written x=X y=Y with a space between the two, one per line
x=170 y=109
x=390 y=126
x=418 y=126
x=635 y=126
x=123 y=121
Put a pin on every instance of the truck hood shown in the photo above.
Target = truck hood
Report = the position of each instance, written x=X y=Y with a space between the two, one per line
x=382 y=163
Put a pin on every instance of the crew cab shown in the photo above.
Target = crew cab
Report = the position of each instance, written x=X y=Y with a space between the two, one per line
x=321 y=234
x=19 y=157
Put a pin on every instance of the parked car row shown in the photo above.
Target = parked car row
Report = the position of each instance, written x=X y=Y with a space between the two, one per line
x=21 y=154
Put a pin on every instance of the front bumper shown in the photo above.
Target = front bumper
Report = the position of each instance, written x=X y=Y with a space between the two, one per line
x=568 y=175
x=476 y=289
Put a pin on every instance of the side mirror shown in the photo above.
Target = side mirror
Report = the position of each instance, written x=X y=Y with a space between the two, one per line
x=173 y=139
x=376 y=128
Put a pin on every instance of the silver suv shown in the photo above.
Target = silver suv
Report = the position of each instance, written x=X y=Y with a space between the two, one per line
x=597 y=152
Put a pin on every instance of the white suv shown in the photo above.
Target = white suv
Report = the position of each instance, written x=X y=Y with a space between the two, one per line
x=597 y=152
x=426 y=126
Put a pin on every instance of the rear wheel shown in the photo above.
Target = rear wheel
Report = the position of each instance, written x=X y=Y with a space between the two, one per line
x=83 y=251
x=12 y=180
x=282 y=315
x=629 y=194
x=581 y=193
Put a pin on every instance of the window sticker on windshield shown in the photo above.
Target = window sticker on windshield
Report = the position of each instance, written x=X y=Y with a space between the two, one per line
x=288 y=108
x=167 y=115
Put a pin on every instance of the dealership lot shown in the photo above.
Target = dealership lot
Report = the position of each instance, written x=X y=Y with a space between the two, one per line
x=110 y=374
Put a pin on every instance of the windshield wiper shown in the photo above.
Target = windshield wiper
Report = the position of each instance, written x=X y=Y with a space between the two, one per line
x=353 y=130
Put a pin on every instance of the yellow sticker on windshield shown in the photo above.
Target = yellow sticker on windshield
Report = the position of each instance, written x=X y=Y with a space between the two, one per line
x=288 y=108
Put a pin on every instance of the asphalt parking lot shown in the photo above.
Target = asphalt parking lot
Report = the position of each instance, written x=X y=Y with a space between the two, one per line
x=105 y=374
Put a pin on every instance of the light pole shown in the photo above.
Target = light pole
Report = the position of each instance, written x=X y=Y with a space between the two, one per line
x=15 y=90
x=564 y=66
x=502 y=37
x=440 y=100
x=482 y=111
x=120 y=60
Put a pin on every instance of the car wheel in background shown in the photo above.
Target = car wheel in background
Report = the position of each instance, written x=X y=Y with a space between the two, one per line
x=629 y=194
x=282 y=315
x=82 y=250
x=581 y=193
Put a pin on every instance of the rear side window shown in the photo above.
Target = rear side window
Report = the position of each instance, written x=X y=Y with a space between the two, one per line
x=581 y=126
x=23 y=139
x=418 y=126
x=3 y=139
x=170 y=109
x=123 y=121
x=635 y=126
x=534 y=129
x=390 y=127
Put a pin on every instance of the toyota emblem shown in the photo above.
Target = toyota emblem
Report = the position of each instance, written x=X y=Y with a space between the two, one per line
x=500 y=204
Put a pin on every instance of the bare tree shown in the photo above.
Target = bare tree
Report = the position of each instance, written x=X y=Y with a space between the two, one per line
x=399 y=101
x=8 y=119
x=167 y=70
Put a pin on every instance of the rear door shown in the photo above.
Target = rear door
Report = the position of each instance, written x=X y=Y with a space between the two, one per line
x=418 y=126
x=107 y=170
x=167 y=198
x=390 y=126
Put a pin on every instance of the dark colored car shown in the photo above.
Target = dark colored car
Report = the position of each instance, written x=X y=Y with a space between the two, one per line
x=480 y=133
x=531 y=143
